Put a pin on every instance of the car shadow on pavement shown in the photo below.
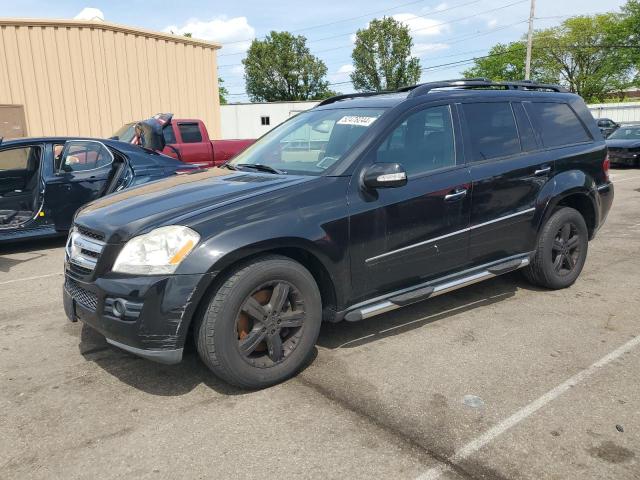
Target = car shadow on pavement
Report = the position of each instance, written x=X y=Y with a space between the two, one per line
x=350 y=335
x=148 y=376
x=33 y=247
x=176 y=380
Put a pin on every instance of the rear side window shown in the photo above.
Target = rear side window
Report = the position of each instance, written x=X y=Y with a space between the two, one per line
x=557 y=123
x=190 y=132
x=492 y=130
x=81 y=155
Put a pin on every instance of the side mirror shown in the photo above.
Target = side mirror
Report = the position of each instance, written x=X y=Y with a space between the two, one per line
x=384 y=175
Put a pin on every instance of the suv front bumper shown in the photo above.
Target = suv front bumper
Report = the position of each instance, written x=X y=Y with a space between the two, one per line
x=147 y=316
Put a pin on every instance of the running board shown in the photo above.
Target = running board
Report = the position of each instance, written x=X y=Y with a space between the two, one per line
x=435 y=288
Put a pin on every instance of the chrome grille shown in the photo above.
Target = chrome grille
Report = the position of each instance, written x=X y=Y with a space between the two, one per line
x=89 y=233
x=80 y=295
x=82 y=251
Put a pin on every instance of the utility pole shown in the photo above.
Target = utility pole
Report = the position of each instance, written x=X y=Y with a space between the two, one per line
x=527 y=65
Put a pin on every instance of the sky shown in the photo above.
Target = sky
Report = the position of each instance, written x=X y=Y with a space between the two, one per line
x=447 y=34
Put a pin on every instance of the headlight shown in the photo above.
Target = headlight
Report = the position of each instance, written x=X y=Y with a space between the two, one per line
x=157 y=252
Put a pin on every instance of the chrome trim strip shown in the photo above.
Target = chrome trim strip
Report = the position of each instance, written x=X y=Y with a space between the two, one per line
x=506 y=217
x=441 y=289
x=603 y=187
x=88 y=243
x=83 y=261
x=457 y=232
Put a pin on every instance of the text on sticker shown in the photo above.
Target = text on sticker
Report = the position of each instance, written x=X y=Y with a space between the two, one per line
x=356 y=120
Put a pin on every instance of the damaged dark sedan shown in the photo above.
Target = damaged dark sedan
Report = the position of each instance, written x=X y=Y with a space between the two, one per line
x=43 y=181
x=624 y=146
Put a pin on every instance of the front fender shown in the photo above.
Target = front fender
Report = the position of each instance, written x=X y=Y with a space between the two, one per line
x=310 y=220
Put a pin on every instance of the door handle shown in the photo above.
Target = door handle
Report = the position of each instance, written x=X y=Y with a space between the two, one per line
x=543 y=170
x=457 y=194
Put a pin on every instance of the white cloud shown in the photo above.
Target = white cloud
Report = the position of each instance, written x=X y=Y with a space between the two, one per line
x=423 y=48
x=421 y=26
x=492 y=22
x=342 y=74
x=234 y=34
x=89 y=13
x=348 y=68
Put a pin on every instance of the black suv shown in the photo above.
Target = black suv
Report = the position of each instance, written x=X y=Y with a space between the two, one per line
x=364 y=204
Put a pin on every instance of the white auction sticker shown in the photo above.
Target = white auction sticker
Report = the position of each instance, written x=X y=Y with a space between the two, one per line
x=357 y=120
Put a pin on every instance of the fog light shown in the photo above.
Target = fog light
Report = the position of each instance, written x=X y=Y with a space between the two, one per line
x=119 y=308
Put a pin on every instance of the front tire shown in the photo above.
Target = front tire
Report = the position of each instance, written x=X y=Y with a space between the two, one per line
x=262 y=324
x=561 y=250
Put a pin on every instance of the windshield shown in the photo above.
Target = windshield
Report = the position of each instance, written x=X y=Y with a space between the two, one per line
x=309 y=143
x=125 y=133
x=627 y=133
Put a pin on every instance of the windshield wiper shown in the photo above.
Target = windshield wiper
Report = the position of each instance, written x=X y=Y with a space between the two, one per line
x=261 y=167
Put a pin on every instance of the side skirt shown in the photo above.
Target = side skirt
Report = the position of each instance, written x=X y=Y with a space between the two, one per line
x=433 y=288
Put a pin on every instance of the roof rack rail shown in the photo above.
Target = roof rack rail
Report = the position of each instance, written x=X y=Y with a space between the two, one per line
x=425 y=88
x=465 y=83
x=346 y=96
x=454 y=80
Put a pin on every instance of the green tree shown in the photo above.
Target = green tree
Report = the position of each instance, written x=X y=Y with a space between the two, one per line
x=382 y=57
x=631 y=32
x=222 y=91
x=281 y=67
x=584 y=53
x=506 y=62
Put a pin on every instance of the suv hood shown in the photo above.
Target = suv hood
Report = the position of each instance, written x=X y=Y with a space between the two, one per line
x=175 y=199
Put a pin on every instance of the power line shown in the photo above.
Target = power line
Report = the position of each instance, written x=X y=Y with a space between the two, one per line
x=410 y=30
x=449 y=40
x=333 y=23
x=473 y=59
x=434 y=12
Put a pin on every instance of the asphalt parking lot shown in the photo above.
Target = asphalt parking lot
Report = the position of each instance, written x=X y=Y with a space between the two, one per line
x=499 y=381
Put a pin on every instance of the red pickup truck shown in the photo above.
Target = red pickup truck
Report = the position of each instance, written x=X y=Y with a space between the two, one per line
x=184 y=139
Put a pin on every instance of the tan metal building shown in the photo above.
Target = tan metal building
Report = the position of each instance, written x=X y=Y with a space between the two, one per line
x=85 y=78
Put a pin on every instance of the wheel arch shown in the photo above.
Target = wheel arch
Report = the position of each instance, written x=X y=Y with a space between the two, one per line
x=577 y=190
x=299 y=250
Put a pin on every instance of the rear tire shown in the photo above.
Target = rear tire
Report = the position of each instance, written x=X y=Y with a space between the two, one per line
x=561 y=250
x=261 y=325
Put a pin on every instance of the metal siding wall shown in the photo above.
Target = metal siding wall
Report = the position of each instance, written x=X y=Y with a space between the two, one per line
x=79 y=80
x=242 y=120
x=618 y=112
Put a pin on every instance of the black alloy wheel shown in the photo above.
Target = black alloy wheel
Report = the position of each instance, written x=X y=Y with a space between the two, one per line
x=560 y=251
x=261 y=323
x=269 y=323
x=565 y=251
